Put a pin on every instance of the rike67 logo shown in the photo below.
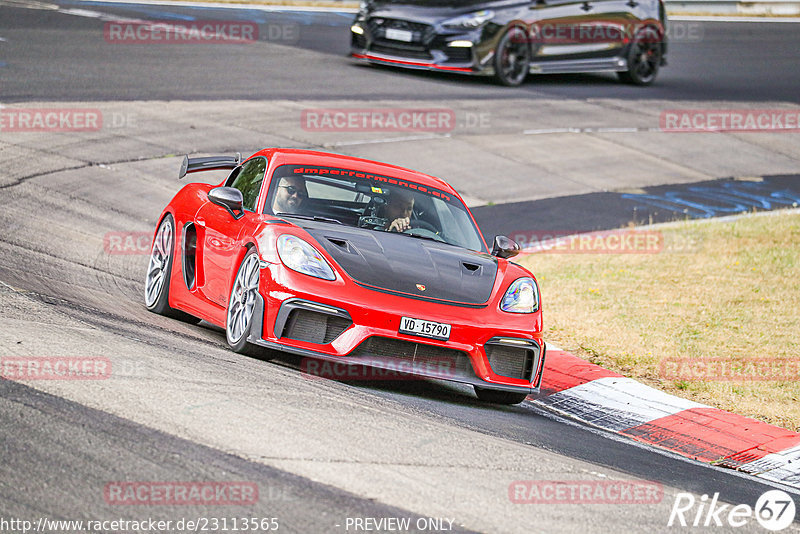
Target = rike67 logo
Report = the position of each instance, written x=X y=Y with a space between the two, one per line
x=774 y=510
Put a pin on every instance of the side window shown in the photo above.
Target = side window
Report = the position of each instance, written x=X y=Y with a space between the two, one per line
x=232 y=176
x=249 y=179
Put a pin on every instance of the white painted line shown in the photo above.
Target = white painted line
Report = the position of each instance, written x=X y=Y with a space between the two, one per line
x=622 y=130
x=551 y=131
x=389 y=140
x=546 y=131
x=774 y=461
x=258 y=7
x=83 y=13
x=617 y=403
x=711 y=18
x=781 y=466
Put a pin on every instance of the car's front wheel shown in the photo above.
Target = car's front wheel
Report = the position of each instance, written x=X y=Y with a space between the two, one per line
x=499 y=397
x=241 y=305
x=644 y=58
x=512 y=57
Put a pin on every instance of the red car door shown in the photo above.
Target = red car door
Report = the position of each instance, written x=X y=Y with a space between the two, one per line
x=219 y=234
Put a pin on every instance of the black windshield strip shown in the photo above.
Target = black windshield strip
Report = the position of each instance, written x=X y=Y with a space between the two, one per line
x=377 y=178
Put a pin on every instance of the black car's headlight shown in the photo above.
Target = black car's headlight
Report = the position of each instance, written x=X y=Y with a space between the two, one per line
x=522 y=296
x=470 y=20
x=300 y=256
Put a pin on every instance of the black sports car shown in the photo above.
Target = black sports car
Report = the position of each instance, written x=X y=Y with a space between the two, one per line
x=509 y=38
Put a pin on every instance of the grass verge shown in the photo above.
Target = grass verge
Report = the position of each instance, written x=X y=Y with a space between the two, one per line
x=719 y=297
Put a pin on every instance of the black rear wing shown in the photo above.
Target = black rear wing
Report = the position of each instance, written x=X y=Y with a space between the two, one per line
x=211 y=163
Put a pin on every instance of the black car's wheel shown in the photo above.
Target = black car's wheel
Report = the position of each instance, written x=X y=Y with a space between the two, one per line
x=241 y=305
x=512 y=57
x=499 y=397
x=159 y=269
x=644 y=58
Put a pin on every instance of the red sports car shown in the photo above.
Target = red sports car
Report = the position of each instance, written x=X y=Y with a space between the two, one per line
x=351 y=261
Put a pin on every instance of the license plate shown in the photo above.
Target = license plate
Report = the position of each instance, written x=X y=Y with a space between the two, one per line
x=418 y=327
x=399 y=35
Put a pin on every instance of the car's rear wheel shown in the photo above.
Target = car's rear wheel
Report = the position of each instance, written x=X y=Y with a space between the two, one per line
x=644 y=58
x=159 y=270
x=241 y=305
x=512 y=57
x=499 y=397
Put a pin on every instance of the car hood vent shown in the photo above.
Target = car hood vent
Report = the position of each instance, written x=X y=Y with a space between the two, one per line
x=419 y=268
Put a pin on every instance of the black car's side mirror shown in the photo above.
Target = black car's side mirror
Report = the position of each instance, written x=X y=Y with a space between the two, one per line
x=504 y=247
x=229 y=198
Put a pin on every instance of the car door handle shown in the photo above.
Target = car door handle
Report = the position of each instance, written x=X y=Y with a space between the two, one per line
x=632 y=3
x=587 y=7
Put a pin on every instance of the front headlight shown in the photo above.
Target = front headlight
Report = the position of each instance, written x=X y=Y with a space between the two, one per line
x=522 y=297
x=470 y=20
x=299 y=256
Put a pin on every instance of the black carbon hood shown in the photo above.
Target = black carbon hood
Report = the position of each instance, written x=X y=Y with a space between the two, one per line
x=397 y=262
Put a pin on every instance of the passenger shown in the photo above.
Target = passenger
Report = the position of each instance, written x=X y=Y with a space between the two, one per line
x=398 y=211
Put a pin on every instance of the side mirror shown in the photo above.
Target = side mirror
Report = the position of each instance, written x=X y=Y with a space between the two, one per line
x=229 y=198
x=504 y=247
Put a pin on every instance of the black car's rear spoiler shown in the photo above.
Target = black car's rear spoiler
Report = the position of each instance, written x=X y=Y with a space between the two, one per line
x=211 y=163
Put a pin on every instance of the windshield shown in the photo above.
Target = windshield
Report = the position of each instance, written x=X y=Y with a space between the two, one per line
x=375 y=202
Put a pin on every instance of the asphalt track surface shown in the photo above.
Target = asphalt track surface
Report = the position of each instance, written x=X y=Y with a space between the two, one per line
x=623 y=209
x=52 y=56
x=185 y=408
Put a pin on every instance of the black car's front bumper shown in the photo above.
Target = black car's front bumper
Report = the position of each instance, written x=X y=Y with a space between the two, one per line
x=428 y=49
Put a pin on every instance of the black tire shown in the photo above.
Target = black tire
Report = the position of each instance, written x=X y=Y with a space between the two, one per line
x=241 y=301
x=644 y=58
x=499 y=397
x=512 y=57
x=162 y=256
